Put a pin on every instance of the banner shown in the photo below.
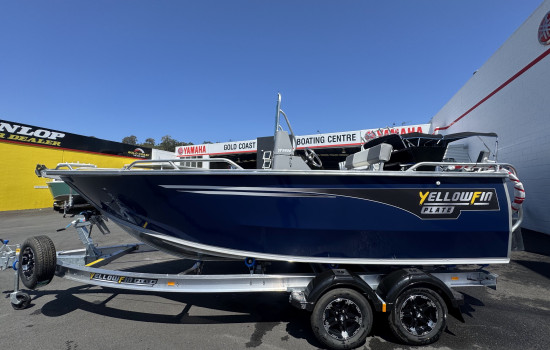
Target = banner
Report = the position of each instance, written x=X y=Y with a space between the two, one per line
x=36 y=136
x=249 y=146
x=336 y=139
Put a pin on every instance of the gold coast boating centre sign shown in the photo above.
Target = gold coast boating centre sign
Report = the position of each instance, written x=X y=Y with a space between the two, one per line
x=328 y=140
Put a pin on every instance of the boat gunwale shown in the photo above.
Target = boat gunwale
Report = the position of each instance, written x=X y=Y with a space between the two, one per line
x=268 y=172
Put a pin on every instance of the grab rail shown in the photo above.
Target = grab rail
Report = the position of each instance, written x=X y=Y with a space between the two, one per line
x=172 y=162
x=71 y=166
x=41 y=168
x=519 y=220
x=278 y=126
x=474 y=165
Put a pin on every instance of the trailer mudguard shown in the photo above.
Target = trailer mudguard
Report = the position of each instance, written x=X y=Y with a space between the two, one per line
x=398 y=281
x=338 y=278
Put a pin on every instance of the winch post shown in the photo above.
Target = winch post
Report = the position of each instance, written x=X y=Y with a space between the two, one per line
x=84 y=235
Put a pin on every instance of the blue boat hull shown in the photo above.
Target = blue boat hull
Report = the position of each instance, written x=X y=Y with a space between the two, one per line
x=383 y=218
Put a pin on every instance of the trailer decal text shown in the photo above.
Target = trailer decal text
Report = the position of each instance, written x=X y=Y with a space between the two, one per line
x=122 y=279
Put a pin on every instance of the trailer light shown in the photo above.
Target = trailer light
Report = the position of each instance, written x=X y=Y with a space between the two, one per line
x=171 y=284
x=384 y=307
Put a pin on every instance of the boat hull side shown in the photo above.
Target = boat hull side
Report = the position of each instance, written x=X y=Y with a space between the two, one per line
x=354 y=219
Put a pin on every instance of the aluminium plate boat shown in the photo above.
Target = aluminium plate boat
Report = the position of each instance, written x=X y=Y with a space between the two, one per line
x=384 y=207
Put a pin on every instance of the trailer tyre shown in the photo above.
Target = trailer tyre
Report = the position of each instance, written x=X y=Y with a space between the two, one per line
x=418 y=317
x=37 y=262
x=342 y=319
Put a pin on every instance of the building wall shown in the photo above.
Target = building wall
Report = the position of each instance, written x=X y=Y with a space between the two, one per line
x=20 y=188
x=509 y=95
x=160 y=154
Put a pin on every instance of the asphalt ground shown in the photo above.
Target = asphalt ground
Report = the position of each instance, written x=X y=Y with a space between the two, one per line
x=67 y=315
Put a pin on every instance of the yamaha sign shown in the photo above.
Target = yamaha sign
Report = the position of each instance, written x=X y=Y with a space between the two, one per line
x=544 y=29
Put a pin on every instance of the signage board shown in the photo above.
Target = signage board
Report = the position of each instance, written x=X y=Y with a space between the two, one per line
x=37 y=136
x=328 y=140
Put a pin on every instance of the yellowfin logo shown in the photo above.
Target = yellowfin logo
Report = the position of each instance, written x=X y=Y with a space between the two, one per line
x=435 y=203
x=456 y=197
x=443 y=203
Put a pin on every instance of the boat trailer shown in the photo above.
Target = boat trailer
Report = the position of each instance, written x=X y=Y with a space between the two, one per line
x=340 y=299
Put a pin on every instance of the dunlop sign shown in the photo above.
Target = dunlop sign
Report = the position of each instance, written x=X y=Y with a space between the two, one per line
x=32 y=135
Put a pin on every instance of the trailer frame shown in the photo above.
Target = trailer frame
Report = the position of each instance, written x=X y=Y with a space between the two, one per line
x=382 y=289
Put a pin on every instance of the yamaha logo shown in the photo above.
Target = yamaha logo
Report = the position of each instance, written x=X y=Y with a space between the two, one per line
x=544 y=30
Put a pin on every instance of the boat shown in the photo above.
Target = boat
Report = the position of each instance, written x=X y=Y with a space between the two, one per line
x=65 y=197
x=395 y=202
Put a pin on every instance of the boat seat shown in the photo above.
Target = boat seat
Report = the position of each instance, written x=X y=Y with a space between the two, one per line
x=377 y=154
x=483 y=157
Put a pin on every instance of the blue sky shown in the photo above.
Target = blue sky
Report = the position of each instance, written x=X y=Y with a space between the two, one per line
x=210 y=70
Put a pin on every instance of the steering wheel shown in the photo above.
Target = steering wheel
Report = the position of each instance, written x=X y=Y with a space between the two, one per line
x=312 y=158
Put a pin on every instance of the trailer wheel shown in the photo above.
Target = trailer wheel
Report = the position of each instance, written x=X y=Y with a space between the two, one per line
x=418 y=317
x=37 y=261
x=23 y=301
x=342 y=319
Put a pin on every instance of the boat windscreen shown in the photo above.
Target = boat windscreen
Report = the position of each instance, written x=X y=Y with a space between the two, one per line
x=392 y=139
